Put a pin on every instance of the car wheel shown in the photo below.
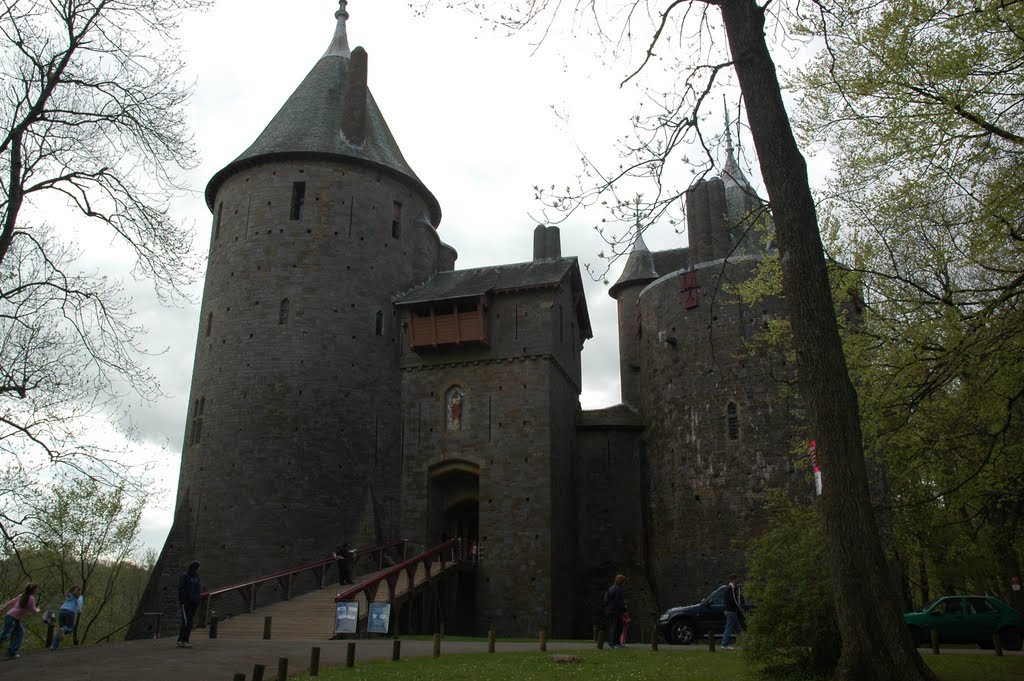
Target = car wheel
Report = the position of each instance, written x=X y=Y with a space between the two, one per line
x=1011 y=639
x=682 y=632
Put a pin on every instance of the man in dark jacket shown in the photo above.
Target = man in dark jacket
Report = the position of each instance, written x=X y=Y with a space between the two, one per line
x=614 y=606
x=733 y=611
x=189 y=591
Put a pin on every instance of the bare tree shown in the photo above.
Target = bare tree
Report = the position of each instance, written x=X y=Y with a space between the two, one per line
x=92 y=135
x=876 y=644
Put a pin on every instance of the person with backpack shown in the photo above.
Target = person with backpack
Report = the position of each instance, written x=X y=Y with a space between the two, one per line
x=17 y=608
x=614 y=607
x=68 y=615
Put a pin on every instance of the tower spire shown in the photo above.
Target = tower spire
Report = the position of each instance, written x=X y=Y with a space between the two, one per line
x=339 y=44
x=733 y=174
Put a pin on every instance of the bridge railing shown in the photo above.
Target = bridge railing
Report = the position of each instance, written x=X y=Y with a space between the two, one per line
x=243 y=597
x=447 y=553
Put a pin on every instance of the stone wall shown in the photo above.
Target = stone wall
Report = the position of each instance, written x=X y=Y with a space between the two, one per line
x=719 y=429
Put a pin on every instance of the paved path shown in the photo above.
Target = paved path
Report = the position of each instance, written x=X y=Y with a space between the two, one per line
x=220 y=660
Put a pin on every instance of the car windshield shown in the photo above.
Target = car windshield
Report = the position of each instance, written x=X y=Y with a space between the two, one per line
x=929 y=605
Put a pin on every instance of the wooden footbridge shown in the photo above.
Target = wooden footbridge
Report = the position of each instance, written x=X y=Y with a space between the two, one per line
x=300 y=604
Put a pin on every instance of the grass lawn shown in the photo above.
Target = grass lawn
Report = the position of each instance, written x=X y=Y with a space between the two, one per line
x=629 y=665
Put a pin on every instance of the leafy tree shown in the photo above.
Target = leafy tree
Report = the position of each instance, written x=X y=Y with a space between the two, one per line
x=876 y=644
x=922 y=104
x=81 y=532
x=92 y=131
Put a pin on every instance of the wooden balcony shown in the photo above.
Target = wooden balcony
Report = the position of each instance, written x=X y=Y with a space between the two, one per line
x=441 y=324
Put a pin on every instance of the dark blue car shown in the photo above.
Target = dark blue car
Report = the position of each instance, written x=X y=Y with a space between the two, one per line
x=684 y=624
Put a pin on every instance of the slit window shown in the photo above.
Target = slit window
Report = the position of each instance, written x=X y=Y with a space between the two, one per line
x=282 y=315
x=197 y=420
x=298 y=199
x=217 y=221
x=734 y=421
x=379 y=325
x=209 y=324
x=396 y=220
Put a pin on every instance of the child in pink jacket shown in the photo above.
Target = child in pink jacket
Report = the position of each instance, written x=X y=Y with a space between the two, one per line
x=18 y=607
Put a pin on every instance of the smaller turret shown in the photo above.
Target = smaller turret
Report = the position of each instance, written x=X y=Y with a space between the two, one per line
x=638 y=272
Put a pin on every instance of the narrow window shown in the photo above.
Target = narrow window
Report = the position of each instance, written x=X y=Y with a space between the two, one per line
x=298 y=199
x=216 y=224
x=396 y=220
x=379 y=328
x=282 y=316
x=209 y=324
x=734 y=422
x=197 y=420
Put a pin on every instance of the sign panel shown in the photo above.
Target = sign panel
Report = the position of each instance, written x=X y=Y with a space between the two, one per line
x=1015 y=583
x=346 y=617
x=379 y=620
x=816 y=467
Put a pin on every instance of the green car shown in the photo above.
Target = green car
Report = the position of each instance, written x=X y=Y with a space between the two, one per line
x=967 y=619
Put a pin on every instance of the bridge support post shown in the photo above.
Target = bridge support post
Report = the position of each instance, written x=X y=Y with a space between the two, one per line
x=266 y=627
x=282 y=669
x=350 y=655
x=437 y=645
x=396 y=650
x=257 y=672
x=543 y=640
x=491 y=635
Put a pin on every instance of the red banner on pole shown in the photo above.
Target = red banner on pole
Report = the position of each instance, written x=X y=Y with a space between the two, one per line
x=815 y=467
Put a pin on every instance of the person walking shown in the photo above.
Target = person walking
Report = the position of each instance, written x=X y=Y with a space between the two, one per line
x=733 y=612
x=17 y=608
x=189 y=595
x=67 y=618
x=614 y=607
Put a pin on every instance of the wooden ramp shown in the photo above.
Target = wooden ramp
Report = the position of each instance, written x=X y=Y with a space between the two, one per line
x=311 y=616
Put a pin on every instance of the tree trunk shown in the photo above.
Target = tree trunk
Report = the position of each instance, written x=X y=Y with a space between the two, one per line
x=876 y=642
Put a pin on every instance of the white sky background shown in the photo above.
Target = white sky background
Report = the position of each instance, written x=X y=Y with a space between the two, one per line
x=472 y=111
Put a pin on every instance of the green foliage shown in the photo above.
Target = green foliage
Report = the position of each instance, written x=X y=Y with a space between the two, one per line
x=794 y=621
x=921 y=103
x=79 y=532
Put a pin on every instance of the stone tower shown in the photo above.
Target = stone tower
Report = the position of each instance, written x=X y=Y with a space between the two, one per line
x=292 y=437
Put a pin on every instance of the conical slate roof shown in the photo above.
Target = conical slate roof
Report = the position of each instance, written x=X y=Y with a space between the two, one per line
x=308 y=126
x=639 y=267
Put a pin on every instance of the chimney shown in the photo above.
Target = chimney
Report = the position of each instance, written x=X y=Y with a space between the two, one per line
x=353 y=117
x=547 y=243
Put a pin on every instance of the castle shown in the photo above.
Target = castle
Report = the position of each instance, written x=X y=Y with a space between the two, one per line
x=350 y=382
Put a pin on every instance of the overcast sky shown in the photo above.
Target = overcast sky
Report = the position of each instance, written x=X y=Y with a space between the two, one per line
x=481 y=118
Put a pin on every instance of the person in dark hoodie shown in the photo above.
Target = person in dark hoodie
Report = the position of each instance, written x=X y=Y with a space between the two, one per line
x=189 y=592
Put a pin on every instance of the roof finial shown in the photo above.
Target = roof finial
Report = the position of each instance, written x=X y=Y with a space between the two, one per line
x=339 y=44
x=728 y=133
x=638 y=242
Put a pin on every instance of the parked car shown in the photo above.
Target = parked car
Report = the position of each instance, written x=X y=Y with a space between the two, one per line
x=684 y=624
x=967 y=619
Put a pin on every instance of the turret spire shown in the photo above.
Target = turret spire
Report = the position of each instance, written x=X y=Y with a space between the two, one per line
x=339 y=44
x=732 y=174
